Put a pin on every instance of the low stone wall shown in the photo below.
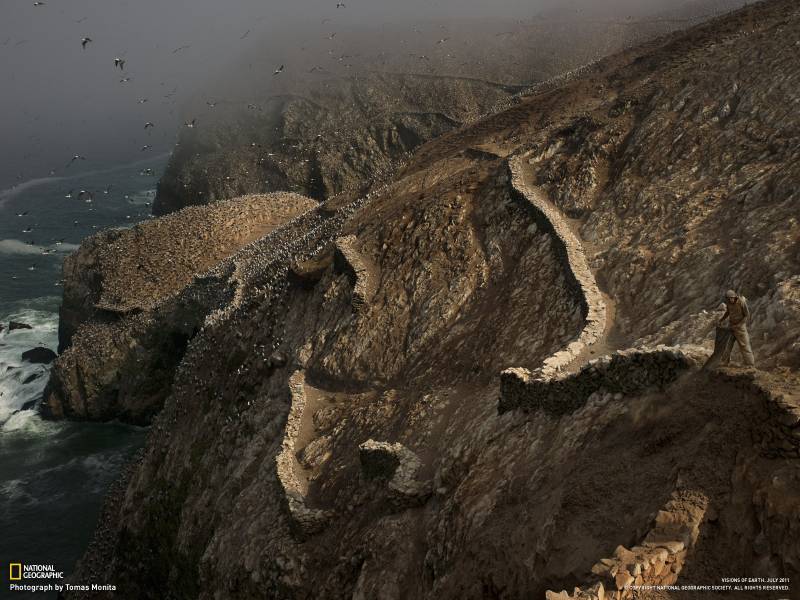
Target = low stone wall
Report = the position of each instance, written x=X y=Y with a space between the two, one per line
x=348 y=260
x=625 y=372
x=399 y=467
x=579 y=274
x=305 y=520
x=657 y=561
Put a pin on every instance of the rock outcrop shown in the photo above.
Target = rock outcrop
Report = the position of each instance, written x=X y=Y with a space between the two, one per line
x=131 y=304
x=39 y=355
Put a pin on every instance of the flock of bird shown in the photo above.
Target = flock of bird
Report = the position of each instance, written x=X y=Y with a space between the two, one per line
x=88 y=196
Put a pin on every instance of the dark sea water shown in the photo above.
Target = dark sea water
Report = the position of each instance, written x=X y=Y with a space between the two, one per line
x=54 y=475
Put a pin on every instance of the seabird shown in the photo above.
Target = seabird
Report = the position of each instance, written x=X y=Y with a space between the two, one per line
x=142 y=100
x=148 y=124
x=191 y=123
x=211 y=104
x=38 y=3
x=340 y=5
x=331 y=36
x=125 y=80
x=145 y=147
x=74 y=158
x=84 y=41
x=279 y=70
x=246 y=33
x=119 y=62
x=108 y=189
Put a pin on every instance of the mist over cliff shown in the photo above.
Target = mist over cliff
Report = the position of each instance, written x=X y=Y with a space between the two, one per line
x=71 y=100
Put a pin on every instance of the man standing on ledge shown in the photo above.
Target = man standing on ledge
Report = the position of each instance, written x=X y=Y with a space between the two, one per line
x=738 y=315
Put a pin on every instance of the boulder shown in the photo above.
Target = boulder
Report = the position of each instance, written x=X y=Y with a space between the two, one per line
x=39 y=355
x=17 y=325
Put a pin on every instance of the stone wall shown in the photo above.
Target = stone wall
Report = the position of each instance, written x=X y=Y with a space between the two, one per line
x=350 y=261
x=657 y=561
x=398 y=466
x=579 y=274
x=625 y=372
x=304 y=520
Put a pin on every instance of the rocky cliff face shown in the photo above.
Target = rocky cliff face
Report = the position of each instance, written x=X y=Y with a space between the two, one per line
x=339 y=135
x=329 y=126
x=332 y=427
x=130 y=304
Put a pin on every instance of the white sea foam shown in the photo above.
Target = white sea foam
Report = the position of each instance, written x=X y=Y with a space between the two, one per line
x=143 y=197
x=14 y=392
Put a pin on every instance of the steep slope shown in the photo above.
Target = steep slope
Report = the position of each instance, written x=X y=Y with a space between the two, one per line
x=337 y=135
x=333 y=429
x=346 y=111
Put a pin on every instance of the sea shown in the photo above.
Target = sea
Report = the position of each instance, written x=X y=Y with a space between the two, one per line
x=55 y=474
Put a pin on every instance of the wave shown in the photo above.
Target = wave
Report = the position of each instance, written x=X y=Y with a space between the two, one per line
x=21 y=382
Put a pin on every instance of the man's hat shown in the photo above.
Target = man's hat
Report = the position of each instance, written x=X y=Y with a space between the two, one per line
x=731 y=294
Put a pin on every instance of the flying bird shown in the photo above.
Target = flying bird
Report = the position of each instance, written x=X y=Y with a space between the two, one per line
x=211 y=104
x=331 y=36
x=148 y=124
x=142 y=100
x=278 y=70
x=38 y=3
x=340 y=5
x=442 y=41
x=119 y=62
x=191 y=124
x=74 y=158
x=145 y=147
x=245 y=34
x=125 y=80
x=84 y=41
x=108 y=189
x=181 y=48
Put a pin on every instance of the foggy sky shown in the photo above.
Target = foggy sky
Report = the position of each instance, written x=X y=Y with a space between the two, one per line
x=58 y=100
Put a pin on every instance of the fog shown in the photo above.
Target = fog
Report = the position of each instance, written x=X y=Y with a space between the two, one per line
x=60 y=99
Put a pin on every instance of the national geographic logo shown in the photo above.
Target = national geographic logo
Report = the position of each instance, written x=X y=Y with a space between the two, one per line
x=23 y=571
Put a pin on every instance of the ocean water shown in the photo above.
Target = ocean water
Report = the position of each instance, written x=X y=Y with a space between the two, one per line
x=54 y=475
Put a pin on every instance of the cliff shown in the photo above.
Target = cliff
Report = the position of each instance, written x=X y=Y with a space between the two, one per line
x=458 y=385
x=336 y=136
x=341 y=120
x=131 y=304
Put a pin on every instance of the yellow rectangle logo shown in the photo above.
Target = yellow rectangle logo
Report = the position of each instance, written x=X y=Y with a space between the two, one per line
x=15 y=568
